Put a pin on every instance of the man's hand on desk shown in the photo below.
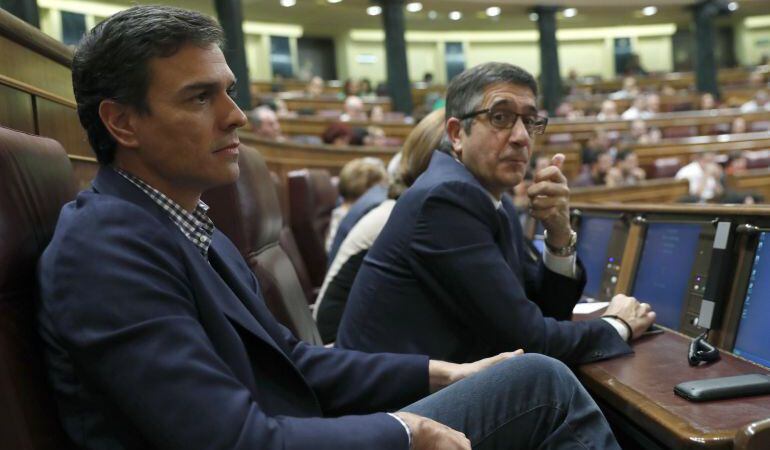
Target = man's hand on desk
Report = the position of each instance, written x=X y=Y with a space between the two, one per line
x=638 y=316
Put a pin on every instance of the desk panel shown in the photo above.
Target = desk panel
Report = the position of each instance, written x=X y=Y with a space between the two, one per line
x=640 y=387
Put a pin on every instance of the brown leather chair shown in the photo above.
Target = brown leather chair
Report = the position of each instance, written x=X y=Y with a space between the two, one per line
x=249 y=213
x=35 y=181
x=289 y=243
x=312 y=197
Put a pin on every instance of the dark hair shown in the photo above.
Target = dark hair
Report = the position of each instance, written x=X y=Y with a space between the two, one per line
x=337 y=130
x=111 y=61
x=466 y=90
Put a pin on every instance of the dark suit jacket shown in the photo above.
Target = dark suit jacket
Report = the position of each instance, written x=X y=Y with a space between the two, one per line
x=448 y=278
x=367 y=202
x=150 y=345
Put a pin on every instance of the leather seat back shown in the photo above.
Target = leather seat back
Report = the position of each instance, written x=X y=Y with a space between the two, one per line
x=312 y=197
x=289 y=242
x=249 y=213
x=36 y=180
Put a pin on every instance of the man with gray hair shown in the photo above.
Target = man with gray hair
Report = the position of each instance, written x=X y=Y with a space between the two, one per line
x=264 y=123
x=449 y=275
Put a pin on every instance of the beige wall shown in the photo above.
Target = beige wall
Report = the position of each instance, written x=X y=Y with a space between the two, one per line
x=524 y=54
x=588 y=51
x=753 y=40
x=361 y=53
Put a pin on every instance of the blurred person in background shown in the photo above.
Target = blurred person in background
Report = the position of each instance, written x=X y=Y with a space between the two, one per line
x=626 y=171
x=337 y=134
x=704 y=176
x=315 y=87
x=356 y=177
x=264 y=124
x=609 y=111
x=353 y=109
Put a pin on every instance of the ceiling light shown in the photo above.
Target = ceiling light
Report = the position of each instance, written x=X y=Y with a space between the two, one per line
x=533 y=16
x=732 y=6
x=374 y=10
x=432 y=15
x=414 y=7
x=288 y=3
x=493 y=11
x=649 y=10
x=455 y=15
x=570 y=12
x=333 y=1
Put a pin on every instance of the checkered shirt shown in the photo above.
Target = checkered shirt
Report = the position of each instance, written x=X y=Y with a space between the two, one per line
x=196 y=226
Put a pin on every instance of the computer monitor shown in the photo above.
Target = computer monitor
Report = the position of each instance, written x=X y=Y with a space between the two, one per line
x=751 y=341
x=664 y=269
x=592 y=245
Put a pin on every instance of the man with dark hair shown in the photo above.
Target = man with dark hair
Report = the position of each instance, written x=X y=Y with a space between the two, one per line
x=155 y=330
x=449 y=275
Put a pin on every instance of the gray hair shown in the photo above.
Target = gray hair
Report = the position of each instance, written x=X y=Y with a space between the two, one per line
x=254 y=115
x=466 y=90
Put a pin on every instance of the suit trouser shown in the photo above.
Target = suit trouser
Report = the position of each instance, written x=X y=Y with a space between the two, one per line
x=526 y=402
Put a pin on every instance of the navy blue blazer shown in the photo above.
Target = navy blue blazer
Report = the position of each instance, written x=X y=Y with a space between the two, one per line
x=151 y=345
x=450 y=278
x=367 y=202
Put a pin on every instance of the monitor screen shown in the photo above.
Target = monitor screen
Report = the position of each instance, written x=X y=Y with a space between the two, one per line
x=663 y=274
x=753 y=335
x=593 y=241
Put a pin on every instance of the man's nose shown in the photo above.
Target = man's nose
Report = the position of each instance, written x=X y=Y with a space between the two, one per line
x=519 y=133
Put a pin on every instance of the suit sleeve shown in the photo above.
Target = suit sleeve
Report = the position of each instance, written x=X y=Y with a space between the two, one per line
x=124 y=312
x=383 y=381
x=457 y=256
x=555 y=294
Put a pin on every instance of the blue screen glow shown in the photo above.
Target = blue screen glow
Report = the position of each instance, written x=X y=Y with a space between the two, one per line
x=753 y=339
x=593 y=241
x=664 y=269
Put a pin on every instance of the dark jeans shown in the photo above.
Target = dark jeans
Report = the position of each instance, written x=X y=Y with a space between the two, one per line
x=527 y=402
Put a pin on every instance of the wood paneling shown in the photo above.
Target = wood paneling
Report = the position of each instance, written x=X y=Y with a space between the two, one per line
x=84 y=171
x=16 y=110
x=663 y=190
x=283 y=157
x=31 y=71
x=61 y=123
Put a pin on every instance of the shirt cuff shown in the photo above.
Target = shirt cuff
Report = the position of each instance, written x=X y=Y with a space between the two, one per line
x=563 y=265
x=406 y=427
x=619 y=327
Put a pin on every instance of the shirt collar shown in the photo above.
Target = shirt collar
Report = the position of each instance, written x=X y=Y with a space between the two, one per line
x=196 y=226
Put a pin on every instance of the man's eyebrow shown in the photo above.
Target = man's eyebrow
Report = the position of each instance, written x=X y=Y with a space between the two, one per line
x=529 y=109
x=204 y=86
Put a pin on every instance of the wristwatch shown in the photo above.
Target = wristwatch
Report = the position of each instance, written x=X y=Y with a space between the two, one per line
x=567 y=250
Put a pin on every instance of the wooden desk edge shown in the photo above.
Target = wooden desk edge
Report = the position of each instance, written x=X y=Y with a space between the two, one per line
x=670 y=429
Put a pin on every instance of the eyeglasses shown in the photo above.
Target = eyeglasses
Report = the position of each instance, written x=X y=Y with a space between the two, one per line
x=505 y=119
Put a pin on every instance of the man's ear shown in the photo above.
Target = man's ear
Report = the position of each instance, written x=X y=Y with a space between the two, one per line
x=454 y=128
x=117 y=118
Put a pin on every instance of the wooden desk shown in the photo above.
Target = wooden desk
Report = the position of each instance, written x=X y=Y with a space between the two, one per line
x=315 y=126
x=637 y=392
x=299 y=101
x=661 y=190
x=703 y=121
x=283 y=157
x=756 y=181
x=685 y=148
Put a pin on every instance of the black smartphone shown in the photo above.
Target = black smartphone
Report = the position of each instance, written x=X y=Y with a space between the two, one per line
x=724 y=387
